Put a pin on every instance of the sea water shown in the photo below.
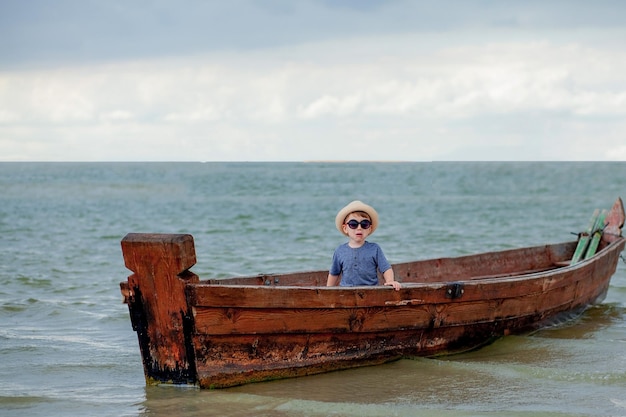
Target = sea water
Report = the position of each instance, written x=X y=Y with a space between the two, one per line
x=66 y=343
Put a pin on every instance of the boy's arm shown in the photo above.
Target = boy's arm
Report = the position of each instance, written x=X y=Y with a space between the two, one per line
x=390 y=280
x=332 y=281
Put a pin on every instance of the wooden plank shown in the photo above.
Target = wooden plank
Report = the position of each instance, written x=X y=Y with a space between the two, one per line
x=518 y=273
x=225 y=361
x=598 y=229
x=221 y=321
x=584 y=239
x=267 y=297
x=400 y=317
x=484 y=264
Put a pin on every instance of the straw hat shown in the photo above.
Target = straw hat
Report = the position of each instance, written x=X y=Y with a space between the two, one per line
x=351 y=208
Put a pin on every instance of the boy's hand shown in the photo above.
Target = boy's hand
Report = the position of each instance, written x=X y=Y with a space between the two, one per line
x=395 y=284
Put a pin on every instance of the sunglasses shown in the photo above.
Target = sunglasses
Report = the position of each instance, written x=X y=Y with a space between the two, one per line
x=353 y=224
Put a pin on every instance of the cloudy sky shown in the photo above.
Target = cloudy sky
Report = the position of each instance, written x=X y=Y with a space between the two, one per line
x=294 y=80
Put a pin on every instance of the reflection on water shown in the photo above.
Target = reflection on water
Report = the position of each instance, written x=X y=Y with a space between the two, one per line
x=516 y=375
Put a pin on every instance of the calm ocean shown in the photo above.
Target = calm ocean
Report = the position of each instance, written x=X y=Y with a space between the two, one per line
x=66 y=343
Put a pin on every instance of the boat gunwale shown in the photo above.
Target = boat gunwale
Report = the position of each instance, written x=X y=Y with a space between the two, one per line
x=505 y=277
x=206 y=295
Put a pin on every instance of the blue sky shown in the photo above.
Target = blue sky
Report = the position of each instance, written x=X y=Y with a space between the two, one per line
x=278 y=80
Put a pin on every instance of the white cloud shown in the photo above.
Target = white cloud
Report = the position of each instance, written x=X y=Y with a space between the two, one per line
x=617 y=153
x=116 y=116
x=321 y=100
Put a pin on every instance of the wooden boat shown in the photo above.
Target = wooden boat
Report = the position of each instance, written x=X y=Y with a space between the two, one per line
x=224 y=332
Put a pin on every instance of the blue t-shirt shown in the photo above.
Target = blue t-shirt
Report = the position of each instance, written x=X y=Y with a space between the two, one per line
x=359 y=266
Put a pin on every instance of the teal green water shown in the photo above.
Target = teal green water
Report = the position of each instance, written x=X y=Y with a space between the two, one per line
x=66 y=343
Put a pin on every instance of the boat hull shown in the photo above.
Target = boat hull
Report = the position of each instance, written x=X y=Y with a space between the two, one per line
x=227 y=332
x=248 y=334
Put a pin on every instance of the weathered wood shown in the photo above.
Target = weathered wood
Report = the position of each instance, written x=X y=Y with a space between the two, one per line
x=155 y=294
x=614 y=222
x=224 y=332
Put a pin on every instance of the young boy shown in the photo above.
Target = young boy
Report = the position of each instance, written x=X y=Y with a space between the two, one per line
x=358 y=261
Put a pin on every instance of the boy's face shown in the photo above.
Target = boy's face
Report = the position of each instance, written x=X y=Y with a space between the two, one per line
x=359 y=234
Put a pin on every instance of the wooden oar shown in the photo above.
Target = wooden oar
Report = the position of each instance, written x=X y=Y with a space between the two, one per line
x=583 y=241
x=597 y=235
